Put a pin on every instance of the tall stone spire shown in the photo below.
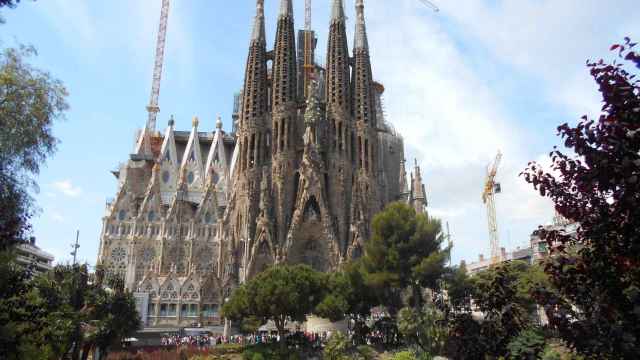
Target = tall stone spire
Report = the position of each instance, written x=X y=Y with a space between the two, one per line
x=337 y=11
x=361 y=29
x=339 y=123
x=418 y=193
x=364 y=109
x=366 y=193
x=253 y=127
x=252 y=151
x=284 y=62
x=258 y=24
x=363 y=98
x=286 y=8
x=402 y=181
x=337 y=89
x=285 y=123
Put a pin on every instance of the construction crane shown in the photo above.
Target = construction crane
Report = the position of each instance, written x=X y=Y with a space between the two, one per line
x=153 y=108
x=430 y=5
x=307 y=15
x=491 y=187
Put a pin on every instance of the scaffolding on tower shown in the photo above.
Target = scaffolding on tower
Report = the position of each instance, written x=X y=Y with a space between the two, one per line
x=308 y=39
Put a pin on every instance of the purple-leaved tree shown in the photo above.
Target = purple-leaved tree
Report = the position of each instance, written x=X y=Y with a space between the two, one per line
x=597 y=185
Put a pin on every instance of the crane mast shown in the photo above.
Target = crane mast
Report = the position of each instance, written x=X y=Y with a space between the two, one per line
x=307 y=15
x=309 y=46
x=491 y=187
x=153 y=109
x=430 y=5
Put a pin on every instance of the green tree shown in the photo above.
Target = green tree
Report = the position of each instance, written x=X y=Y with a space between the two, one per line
x=404 y=253
x=597 y=185
x=465 y=340
x=348 y=296
x=281 y=293
x=504 y=294
x=507 y=310
x=337 y=348
x=30 y=101
x=425 y=329
x=42 y=319
x=528 y=345
x=459 y=288
x=109 y=317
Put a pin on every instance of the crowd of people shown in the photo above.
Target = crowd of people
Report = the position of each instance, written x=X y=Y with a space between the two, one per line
x=191 y=340
x=202 y=341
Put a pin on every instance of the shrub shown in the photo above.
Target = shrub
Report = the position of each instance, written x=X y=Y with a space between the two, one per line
x=529 y=344
x=404 y=355
x=337 y=347
x=269 y=351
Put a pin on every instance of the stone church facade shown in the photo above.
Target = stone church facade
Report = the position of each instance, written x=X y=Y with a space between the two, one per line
x=298 y=180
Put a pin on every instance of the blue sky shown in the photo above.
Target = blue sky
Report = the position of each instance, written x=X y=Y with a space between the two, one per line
x=461 y=83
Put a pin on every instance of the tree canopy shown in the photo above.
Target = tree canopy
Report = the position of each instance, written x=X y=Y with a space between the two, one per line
x=280 y=293
x=596 y=184
x=30 y=102
x=505 y=295
x=404 y=252
x=41 y=318
x=9 y=3
x=347 y=294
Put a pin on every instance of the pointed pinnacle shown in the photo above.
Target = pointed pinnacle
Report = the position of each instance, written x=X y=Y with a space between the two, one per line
x=286 y=8
x=258 y=25
x=337 y=11
x=361 y=29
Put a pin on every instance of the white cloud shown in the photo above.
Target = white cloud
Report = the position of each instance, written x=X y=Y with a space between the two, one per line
x=67 y=188
x=550 y=40
x=454 y=118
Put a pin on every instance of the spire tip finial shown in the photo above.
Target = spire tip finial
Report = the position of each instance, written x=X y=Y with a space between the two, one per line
x=219 y=122
x=258 y=26
x=361 y=31
x=286 y=8
x=337 y=11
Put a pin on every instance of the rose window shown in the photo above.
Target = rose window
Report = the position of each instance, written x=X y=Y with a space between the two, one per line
x=118 y=254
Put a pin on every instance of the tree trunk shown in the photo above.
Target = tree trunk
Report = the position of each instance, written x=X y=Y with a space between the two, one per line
x=283 y=341
x=102 y=353
x=86 y=349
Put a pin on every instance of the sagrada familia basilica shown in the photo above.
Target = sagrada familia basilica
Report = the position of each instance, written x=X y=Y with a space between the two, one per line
x=310 y=161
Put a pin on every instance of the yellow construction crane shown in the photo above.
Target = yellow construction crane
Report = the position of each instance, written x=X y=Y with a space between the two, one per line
x=491 y=187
